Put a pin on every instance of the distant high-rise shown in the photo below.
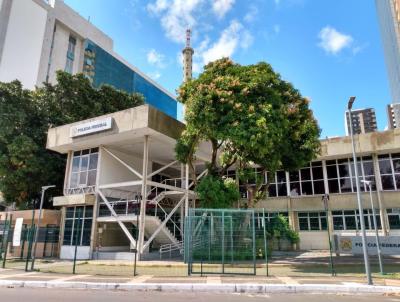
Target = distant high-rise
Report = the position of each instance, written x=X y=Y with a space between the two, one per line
x=389 y=21
x=393 y=111
x=187 y=58
x=363 y=121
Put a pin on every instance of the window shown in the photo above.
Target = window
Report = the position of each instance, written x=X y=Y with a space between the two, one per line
x=83 y=171
x=341 y=174
x=308 y=180
x=394 y=218
x=278 y=187
x=70 y=55
x=349 y=220
x=269 y=216
x=312 y=221
x=389 y=168
x=78 y=225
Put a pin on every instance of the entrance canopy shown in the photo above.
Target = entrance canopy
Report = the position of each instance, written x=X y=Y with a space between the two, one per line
x=124 y=131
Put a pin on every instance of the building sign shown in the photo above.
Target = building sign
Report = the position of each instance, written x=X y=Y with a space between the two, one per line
x=390 y=245
x=91 y=127
x=17 y=232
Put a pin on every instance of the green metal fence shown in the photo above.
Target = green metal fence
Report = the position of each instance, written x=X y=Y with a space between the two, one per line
x=223 y=241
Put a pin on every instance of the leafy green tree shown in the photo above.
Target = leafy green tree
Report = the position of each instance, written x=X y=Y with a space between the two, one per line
x=214 y=192
x=251 y=118
x=25 y=164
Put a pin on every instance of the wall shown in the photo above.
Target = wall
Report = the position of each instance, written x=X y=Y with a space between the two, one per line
x=23 y=43
x=111 y=171
x=314 y=240
x=112 y=236
x=48 y=216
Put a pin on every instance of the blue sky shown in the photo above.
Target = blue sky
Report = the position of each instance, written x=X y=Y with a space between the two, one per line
x=329 y=49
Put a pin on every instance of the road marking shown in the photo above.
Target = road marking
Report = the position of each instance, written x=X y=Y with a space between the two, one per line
x=140 y=279
x=287 y=280
x=69 y=278
x=213 y=280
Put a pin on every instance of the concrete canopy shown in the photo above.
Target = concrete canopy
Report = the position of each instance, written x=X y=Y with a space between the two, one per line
x=127 y=135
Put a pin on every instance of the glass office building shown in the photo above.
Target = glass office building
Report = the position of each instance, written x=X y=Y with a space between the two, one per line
x=103 y=68
x=389 y=21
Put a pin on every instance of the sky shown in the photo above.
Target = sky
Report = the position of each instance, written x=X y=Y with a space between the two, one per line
x=329 y=49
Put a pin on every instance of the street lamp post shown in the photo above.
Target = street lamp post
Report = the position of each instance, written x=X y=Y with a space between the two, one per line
x=378 y=244
x=360 y=208
x=44 y=188
x=325 y=199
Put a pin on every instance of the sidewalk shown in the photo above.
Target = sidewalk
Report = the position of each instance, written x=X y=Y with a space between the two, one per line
x=248 y=284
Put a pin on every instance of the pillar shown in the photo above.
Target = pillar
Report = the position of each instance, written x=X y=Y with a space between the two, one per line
x=144 y=195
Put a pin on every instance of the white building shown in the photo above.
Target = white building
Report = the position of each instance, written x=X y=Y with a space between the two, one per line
x=117 y=158
x=38 y=38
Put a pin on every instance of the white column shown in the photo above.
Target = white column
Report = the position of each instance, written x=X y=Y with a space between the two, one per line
x=182 y=206
x=325 y=174
x=93 y=235
x=144 y=194
x=186 y=190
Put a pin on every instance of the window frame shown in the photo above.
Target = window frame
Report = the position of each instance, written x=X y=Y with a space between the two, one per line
x=319 y=215
x=89 y=153
x=84 y=218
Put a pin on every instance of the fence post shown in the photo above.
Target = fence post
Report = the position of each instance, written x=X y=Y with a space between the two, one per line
x=30 y=236
x=8 y=236
x=223 y=241
x=254 y=243
x=77 y=237
x=2 y=239
x=23 y=238
x=265 y=242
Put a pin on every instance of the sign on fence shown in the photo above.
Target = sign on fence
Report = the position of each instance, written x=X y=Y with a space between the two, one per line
x=390 y=245
x=17 y=232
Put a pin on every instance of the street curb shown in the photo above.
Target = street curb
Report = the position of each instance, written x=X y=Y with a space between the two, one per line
x=212 y=288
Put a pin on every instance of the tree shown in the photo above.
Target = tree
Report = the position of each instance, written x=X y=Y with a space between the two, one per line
x=251 y=118
x=25 y=164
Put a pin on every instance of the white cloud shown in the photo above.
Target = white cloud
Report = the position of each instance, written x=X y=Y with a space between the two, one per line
x=333 y=41
x=155 y=58
x=221 y=7
x=231 y=37
x=157 y=6
x=251 y=14
x=176 y=16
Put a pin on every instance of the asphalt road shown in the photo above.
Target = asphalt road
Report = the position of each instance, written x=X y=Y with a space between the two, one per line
x=50 y=295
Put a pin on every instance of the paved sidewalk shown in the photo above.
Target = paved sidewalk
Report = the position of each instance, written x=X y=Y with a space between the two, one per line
x=20 y=275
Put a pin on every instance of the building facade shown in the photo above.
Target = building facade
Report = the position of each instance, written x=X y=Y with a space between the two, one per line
x=125 y=183
x=48 y=236
x=363 y=121
x=393 y=112
x=39 y=37
x=389 y=20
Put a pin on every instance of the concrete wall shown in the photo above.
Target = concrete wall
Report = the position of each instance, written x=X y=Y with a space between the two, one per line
x=313 y=240
x=374 y=142
x=23 y=43
x=67 y=252
x=112 y=235
x=127 y=125
x=48 y=216
x=111 y=171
